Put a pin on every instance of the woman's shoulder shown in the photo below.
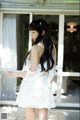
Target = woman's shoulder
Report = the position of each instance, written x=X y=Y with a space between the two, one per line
x=37 y=47
x=34 y=47
x=40 y=44
x=35 y=50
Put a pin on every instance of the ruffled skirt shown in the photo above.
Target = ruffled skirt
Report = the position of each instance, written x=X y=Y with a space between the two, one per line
x=36 y=92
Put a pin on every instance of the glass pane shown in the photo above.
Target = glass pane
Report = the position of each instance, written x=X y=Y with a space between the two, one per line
x=72 y=44
x=71 y=90
x=22 y=38
x=22 y=41
x=15 y=38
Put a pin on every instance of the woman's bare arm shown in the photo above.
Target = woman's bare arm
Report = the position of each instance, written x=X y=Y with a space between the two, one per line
x=13 y=74
x=34 y=63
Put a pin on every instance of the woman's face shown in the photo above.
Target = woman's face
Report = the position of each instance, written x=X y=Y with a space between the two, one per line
x=34 y=35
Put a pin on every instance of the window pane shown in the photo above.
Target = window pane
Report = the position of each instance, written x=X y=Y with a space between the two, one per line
x=72 y=44
x=71 y=87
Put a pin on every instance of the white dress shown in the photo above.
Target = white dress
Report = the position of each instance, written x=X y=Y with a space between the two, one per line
x=35 y=90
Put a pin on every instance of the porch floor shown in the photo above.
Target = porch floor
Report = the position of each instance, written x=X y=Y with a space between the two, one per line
x=14 y=113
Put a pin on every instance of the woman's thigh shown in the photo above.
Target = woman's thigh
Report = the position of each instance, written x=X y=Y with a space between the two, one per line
x=43 y=114
x=30 y=113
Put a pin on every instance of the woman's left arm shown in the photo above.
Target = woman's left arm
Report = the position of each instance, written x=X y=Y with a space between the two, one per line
x=13 y=74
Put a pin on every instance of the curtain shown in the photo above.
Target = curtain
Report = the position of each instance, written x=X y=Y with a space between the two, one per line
x=9 y=57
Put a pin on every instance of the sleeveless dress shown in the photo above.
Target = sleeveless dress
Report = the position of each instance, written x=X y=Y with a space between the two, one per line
x=35 y=89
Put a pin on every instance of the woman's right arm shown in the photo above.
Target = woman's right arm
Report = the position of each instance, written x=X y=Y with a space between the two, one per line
x=13 y=74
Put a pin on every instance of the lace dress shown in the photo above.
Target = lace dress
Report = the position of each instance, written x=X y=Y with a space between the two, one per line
x=35 y=90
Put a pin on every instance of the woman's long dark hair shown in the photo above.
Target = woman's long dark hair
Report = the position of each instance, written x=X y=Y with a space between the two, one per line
x=39 y=26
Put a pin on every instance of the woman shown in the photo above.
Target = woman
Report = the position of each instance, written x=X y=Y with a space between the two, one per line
x=35 y=93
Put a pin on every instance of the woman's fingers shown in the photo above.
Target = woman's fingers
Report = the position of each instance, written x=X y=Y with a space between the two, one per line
x=10 y=74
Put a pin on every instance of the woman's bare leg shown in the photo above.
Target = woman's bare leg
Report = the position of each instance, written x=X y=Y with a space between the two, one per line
x=43 y=114
x=30 y=113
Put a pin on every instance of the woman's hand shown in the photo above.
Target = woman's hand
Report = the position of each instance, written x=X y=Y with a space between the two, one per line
x=11 y=74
